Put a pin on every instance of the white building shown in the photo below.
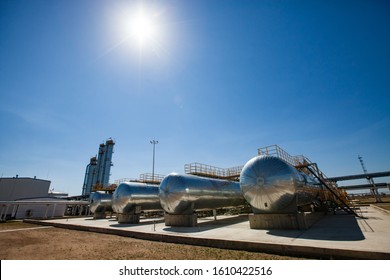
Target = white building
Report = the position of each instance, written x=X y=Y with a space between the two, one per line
x=22 y=188
x=30 y=198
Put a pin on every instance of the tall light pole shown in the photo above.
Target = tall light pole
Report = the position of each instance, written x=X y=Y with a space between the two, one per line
x=153 y=142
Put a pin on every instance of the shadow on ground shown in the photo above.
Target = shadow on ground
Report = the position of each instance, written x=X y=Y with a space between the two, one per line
x=142 y=222
x=209 y=224
x=340 y=227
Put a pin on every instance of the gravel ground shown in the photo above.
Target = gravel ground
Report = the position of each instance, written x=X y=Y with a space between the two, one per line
x=22 y=241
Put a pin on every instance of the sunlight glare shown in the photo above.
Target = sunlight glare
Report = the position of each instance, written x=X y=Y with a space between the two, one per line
x=142 y=28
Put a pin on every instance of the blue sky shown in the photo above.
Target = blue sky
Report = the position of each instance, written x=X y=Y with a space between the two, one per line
x=218 y=80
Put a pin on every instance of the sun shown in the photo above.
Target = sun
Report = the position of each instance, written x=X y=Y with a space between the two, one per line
x=142 y=27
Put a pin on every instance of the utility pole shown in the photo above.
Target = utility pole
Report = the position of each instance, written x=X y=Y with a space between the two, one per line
x=374 y=189
x=153 y=142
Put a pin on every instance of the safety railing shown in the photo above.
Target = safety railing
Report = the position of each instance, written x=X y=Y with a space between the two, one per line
x=204 y=170
x=151 y=178
x=123 y=180
x=275 y=150
x=143 y=178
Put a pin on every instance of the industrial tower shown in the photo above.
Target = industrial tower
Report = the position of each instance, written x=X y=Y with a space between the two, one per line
x=90 y=176
x=97 y=173
x=374 y=189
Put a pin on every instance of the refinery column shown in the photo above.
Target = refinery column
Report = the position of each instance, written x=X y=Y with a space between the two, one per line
x=97 y=173
x=90 y=176
x=107 y=162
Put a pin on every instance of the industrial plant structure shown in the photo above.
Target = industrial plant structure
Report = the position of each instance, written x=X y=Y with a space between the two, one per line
x=282 y=190
x=97 y=173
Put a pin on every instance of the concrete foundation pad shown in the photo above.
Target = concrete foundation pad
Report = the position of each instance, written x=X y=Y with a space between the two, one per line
x=181 y=220
x=284 y=221
x=128 y=218
x=340 y=236
x=99 y=215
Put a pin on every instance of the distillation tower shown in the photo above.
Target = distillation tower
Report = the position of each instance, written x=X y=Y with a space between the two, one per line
x=97 y=173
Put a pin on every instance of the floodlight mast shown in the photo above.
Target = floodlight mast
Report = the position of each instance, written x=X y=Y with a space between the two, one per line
x=153 y=142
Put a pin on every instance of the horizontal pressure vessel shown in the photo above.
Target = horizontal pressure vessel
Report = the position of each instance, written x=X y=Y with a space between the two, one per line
x=183 y=194
x=133 y=197
x=271 y=185
x=100 y=202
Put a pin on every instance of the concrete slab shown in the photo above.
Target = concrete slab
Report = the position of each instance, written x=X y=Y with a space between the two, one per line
x=339 y=236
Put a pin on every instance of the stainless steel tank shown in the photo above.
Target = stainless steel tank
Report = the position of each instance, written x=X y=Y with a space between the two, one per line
x=132 y=197
x=183 y=194
x=100 y=202
x=270 y=185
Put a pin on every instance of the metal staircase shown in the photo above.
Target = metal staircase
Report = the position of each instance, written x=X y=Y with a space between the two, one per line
x=333 y=195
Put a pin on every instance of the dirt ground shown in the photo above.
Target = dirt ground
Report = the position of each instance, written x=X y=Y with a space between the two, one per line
x=22 y=241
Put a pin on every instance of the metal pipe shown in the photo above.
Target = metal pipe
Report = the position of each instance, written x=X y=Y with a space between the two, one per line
x=359 y=176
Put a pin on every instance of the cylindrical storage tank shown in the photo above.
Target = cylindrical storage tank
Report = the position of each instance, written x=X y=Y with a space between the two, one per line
x=183 y=194
x=270 y=185
x=100 y=203
x=133 y=197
